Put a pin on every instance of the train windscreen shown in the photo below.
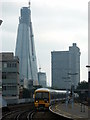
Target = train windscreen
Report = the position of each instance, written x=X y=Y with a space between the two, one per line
x=42 y=96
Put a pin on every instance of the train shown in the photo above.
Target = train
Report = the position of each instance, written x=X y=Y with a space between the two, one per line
x=44 y=97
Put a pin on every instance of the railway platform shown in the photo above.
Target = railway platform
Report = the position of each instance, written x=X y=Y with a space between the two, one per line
x=76 y=111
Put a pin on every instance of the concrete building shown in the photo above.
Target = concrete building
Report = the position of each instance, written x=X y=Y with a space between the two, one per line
x=25 y=48
x=26 y=83
x=65 y=68
x=42 y=79
x=10 y=77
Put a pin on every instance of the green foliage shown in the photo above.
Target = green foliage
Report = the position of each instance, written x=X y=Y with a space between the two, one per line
x=82 y=90
x=83 y=85
x=36 y=87
x=26 y=93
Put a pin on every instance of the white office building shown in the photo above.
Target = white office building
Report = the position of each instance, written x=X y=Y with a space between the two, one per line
x=65 y=68
x=42 y=79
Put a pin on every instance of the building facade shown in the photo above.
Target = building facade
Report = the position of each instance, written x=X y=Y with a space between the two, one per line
x=25 y=48
x=42 y=79
x=65 y=68
x=26 y=83
x=10 y=77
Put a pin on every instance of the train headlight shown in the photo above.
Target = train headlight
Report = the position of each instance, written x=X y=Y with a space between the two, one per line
x=36 y=101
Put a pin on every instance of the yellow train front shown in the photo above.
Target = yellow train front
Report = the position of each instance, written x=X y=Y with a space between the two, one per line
x=42 y=98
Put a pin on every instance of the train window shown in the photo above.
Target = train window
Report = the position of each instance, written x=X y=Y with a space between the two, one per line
x=38 y=96
x=42 y=96
x=45 y=95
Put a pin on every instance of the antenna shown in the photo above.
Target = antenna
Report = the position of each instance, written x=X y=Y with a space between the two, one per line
x=29 y=3
x=39 y=69
x=39 y=65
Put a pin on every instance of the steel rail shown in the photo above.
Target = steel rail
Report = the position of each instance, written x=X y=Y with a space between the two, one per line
x=30 y=115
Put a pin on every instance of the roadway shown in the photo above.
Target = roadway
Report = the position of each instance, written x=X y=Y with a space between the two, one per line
x=73 y=111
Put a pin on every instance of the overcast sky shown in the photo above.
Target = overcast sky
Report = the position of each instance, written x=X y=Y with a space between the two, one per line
x=56 y=25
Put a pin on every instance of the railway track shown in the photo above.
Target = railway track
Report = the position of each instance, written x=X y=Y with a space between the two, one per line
x=19 y=112
x=10 y=115
x=27 y=112
x=46 y=115
x=19 y=115
x=32 y=115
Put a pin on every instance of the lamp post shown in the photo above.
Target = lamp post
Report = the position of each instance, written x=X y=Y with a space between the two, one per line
x=72 y=88
x=1 y=22
x=88 y=66
x=67 y=89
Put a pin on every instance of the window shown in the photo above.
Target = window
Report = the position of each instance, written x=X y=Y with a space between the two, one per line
x=5 y=65
x=42 y=96
x=3 y=87
x=8 y=64
x=11 y=64
x=11 y=75
x=9 y=87
x=14 y=64
x=4 y=75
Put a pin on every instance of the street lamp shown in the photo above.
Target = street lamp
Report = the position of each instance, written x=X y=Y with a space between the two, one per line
x=72 y=87
x=1 y=22
x=88 y=66
x=67 y=92
x=72 y=74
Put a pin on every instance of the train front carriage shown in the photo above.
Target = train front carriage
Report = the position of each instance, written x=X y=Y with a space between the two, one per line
x=42 y=98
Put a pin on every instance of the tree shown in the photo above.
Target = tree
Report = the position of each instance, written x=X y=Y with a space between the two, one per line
x=26 y=93
x=82 y=85
x=82 y=90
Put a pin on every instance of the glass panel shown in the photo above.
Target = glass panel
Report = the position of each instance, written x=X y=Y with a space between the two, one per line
x=42 y=96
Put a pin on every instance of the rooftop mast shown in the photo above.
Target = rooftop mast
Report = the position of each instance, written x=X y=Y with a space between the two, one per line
x=29 y=3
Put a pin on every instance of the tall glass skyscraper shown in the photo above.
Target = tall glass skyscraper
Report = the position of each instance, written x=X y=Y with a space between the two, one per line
x=25 y=48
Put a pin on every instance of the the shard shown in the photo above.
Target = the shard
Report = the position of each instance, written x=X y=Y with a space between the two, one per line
x=25 y=48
